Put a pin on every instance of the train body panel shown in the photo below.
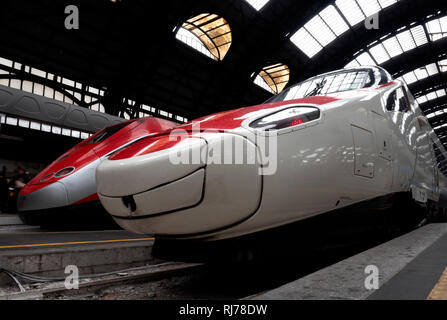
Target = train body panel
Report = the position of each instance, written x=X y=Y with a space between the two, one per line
x=334 y=151
x=70 y=180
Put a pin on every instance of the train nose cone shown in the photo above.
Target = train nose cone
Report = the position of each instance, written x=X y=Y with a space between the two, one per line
x=122 y=177
x=51 y=196
x=157 y=193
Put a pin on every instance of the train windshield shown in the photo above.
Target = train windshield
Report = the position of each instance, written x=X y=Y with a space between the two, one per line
x=108 y=132
x=327 y=83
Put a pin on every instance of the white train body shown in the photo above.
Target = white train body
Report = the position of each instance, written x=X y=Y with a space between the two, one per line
x=357 y=145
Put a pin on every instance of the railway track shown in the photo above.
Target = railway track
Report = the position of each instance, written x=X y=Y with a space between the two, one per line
x=39 y=288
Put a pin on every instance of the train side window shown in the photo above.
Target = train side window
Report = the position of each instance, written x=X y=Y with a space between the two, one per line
x=404 y=105
x=391 y=102
x=398 y=101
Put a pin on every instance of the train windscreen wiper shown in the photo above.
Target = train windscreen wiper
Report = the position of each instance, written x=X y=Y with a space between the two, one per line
x=319 y=86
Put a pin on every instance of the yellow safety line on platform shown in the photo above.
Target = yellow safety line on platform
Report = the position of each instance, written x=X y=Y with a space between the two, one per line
x=71 y=243
x=62 y=232
x=439 y=292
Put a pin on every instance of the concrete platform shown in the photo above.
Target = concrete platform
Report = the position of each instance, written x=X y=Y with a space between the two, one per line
x=9 y=219
x=12 y=222
x=412 y=266
x=48 y=253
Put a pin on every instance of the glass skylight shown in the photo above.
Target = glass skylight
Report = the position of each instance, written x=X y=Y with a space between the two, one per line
x=334 y=20
x=393 y=47
x=273 y=78
x=421 y=73
x=330 y=23
x=379 y=53
x=431 y=115
x=441 y=126
x=383 y=51
x=443 y=65
x=432 y=69
x=306 y=42
x=356 y=11
x=406 y=40
x=437 y=113
x=257 y=4
x=351 y=10
x=191 y=40
x=437 y=28
x=320 y=31
x=431 y=96
x=208 y=34
x=260 y=82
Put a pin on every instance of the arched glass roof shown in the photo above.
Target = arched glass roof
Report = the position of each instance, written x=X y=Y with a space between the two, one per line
x=437 y=28
x=207 y=33
x=440 y=126
x=333 y=21
x=431 y=96
x=437 y=113
x=389 y=47
x=379 y=51
x=410 y=38
x=191 y=40
x=273 y=78
x=422 y=73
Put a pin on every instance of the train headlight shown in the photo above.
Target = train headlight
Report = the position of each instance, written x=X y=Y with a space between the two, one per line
x=64 y=172
x=286 y=118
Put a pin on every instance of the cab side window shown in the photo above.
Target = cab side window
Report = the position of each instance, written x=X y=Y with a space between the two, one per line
x=404 y=105
x=398 y=101
x=391 y=102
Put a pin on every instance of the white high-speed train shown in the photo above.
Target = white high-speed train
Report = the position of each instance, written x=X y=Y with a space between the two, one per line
x=333 y=141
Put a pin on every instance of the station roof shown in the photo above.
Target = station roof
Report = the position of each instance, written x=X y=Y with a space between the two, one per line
x=132 y=48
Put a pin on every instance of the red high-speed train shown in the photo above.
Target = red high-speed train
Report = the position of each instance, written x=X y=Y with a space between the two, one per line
x=64 y=193
x=347 y=138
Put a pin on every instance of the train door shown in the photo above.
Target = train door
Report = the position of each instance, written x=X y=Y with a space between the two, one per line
x=384 y=146
x=363 y=152
x=400 y=115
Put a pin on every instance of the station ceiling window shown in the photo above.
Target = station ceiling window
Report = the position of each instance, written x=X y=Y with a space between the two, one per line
x=39 y=126
x=431 y=96
x=207 y=33
x=437 y=28
x=423 y=72
x=357 y=11
x=437 y=113
x=441 y=126
x=382 y=51
x=273 y=78
x=330 y=23
x=257 y=4
x=443 y=65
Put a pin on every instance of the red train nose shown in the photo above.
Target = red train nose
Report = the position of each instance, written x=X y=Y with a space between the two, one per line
x=51 y=196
